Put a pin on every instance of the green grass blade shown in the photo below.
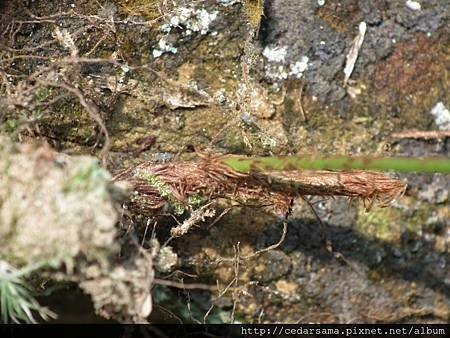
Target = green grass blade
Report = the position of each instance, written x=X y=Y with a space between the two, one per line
x=4 y=304
x=17 y=302
x=282 y=163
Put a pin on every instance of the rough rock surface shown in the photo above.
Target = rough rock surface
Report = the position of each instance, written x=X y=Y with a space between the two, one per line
x=209 y=90
x=63 y=211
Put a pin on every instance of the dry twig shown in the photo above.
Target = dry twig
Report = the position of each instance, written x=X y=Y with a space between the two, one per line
x=426 y=135
x=185 y=286
x=196 y=216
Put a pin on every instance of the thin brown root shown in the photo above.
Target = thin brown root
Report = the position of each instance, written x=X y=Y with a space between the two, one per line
x=259 y=252
x=300 y=101
x=221 y=294
x=185 y=286
x=237 y=255
x=91 y=109
x=145 y=232
x=173 y=315
x=321 y=224
x=218 y=218
x=328 y=245
x=271 y=247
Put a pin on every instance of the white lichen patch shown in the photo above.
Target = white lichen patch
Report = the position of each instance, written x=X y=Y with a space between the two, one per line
x=276 y=67
x=275 y=54
x=188 y=20
x=414 y=5
x=441 y=116
x=204 y=21
x=276 y=71
x=163 y=47
x=299 y=67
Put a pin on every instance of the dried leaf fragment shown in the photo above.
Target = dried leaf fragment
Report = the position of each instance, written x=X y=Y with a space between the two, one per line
x=352 y=56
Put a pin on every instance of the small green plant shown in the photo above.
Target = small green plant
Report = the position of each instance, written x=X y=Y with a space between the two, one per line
x=165 y=191
x=196 y=200
x=43 y=93
x=188 y=311
x=17 y=302
x=11 y=125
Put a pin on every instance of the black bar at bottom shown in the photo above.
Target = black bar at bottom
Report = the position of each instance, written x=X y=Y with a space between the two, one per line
x=225 y=330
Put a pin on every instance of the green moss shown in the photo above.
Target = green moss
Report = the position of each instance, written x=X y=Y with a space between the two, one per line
x=43 y=93
x=340 y=18
x=165 y=192
x=147 y=8
x=382 y=223
x=417 y=222
x=196 y=200
x=389 y=223
x=155 y=182
x=255 y=12
x=179 y=207
x=11 y=125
